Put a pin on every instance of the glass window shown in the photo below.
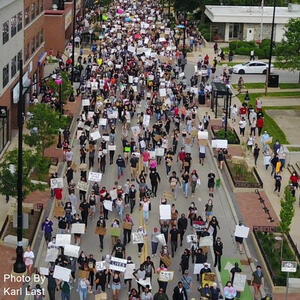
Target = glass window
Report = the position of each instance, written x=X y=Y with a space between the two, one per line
x=42 y=35
x=3 y=133
x=41 y=3
x=37 y=41
x=32 y=11
x=33 y=45
x=13 y=26
x=13 y=67
x=20 y=56
x=27 y=52
x=5 y=32
x=37 y=9
x=26 y=15
x=20 y=20
x=5 y=76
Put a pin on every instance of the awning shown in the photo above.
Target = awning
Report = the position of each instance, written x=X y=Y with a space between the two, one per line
x=42 y=58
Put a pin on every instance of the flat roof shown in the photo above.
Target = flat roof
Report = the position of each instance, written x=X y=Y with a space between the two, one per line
x=251 y=14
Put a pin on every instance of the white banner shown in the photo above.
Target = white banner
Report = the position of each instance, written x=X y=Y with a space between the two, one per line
x=222 y=144
x=165 y=212
x=100 y=265
x=112 y=147
x=146 y=120
x=72 y=250
x=94 y=176
x=202 y=135
x=62 y=240
x=61 y=273
x=118 y=264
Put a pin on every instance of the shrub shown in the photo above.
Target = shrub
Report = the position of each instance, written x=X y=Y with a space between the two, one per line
x=231 y=137
x=260 y=53
x=264 y=43
x=242 y=44
x=243 y=51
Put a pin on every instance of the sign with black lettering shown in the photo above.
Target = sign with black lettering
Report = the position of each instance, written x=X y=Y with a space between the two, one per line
x=118 y=264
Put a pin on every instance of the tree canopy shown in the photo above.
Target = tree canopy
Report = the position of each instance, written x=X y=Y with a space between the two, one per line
x=288 y=51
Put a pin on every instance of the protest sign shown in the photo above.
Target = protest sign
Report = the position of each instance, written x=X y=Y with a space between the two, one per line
x=62 y=240
x=137 y=238
x=222 y=144
x=95 y=135
x=85 y=102
x=165 y=212
x=152 y=154
x=61 y=273
x=146 y=120
x=51 y=255
x=57 y=183
x=206 y=241
x=228 y=266
x=239 y=281
x=198 y=268
x=94 y=176
x=145 y=282
x=118 y=264
x=82 y=186
x=107 y=204
x=162 y=92
x=100 y=265
x=159 y=151
x=166 y=276
x=161 y=239
x=102 y=122
x=112 y=147
x=78 y=228
x=128 y=271
x=202 y=135
x=115 y=231
x=135 y=130
x=72 y=250
x=241 y=231
x=44 y=271
x=105 y=138
x=114 y=194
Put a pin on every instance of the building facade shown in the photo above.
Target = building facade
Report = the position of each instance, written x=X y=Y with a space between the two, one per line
x=11 y=48
x=248 y=22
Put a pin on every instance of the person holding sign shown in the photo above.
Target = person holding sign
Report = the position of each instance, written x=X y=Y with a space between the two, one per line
x=120 y=162
x=127 y=227
x=101 y=230
x=229 y=291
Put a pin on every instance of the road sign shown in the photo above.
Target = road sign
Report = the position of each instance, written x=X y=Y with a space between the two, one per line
x=289 y=266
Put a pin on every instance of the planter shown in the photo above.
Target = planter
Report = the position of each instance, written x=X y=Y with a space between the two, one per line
x=242 y=179
x=232 y=140
x=292 y=153
x=269 y=252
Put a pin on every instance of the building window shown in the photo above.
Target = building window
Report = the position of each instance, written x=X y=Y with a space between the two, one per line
x=13 y=26
x=32 y=11
x=41 y=4
x=3 y=132
x=33 y=45
x=37 y=41
x=37 y=9
x=5 y=32
x=27 y=52
x=20 y=20
x=5 y=76
x=13 y=67
x=26 y=16
x=42 y=35
x=19 y=58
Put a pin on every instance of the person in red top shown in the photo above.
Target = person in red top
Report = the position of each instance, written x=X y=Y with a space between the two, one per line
x=58 y=193
x=176 y=111
x=181 y=157
x=294 y=179
x=260 y=125
x=243 y=111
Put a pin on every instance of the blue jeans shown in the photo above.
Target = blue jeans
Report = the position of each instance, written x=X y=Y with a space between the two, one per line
x=185 y=187
x=120 y=171
x=146 y=215
x=65 y=296
x=154 y=247
x=168 y=169
x=120 y=211
x=157 y=116
x=83 y=294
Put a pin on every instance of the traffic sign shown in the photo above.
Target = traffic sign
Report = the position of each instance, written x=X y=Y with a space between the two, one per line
x=289 y=266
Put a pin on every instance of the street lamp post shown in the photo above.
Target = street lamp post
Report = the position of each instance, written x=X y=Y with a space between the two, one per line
x=73 y=41
x=91 y=33
x=59 y=83
x=279 y=238
x=19 y=265
x=184 y=34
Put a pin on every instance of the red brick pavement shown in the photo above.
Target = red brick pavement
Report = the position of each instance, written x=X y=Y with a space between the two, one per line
x=6 y=264
x=235 y=150
x=294 y=296
x=252 y=211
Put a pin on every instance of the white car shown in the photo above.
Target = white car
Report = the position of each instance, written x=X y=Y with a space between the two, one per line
x=254 y=67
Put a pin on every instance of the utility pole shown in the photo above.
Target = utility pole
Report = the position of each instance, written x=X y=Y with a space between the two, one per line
x=19 y=265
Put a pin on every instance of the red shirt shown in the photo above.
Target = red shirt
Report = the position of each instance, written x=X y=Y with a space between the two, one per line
x=58 y=193
x=294 y=178
x=182 y=155
x=260 y=122
x=243 y=110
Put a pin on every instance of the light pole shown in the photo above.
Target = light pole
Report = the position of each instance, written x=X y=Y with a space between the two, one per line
x=91 y=33
x=19 y=265
x=73 y=41
x=59 y=83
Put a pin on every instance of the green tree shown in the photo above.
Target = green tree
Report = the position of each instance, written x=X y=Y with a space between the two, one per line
x=287 y=211
x=288 y=51
x=44 y=126
x=9 y=173
x=66 y=86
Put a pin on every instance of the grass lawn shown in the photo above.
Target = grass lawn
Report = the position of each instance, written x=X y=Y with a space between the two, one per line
x=246 y=295
x=261 y=85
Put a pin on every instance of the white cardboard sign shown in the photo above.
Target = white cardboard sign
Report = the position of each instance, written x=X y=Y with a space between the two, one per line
x=95 y=135
x=57 y=183
x=118 y=264
x=85 y=102
x=51 y=255
x=62 y=240
x=61 y=273
x=165 y=212
x=137 y=238
x=72 y=250
x=94 y=176
x=206 y=241
x=107 y=205
x=239 y=281
x=222 y=144
x=241 y=231
x=199 y=267
x=128 y=271
x=166 y=276
x=78 y=228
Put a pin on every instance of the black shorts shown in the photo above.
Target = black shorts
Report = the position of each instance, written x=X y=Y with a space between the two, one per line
x=211 y=185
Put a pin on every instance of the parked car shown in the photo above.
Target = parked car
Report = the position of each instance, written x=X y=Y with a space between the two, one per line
x=254 y=67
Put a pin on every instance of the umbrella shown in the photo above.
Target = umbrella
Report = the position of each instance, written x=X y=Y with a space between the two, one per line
x=180 y=26
x=127 y=19
x=120 y=11
x=104 y=17
x=137 y=36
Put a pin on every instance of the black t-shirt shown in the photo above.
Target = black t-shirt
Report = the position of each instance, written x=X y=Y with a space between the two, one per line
x=133 y=162
x=84 y=206
x=91 y=263
x=278 y=178
x=119 y=248
x=174 y=234
x=211 y=177
x=62 y=224
x=235 y=270
x=148 y=268
x=185 y=178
